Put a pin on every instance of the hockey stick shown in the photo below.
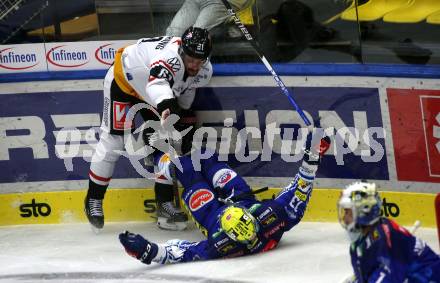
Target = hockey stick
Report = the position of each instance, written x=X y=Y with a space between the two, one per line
x=173 y=174
x=175 y=187
x=231 y=200
x=266 y=63
x=415 y=226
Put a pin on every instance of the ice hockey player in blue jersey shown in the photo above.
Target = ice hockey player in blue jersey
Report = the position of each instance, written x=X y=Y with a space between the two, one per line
x=224 y=207
x=381 y=250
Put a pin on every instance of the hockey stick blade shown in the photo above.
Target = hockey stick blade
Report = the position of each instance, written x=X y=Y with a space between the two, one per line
x=415 y=227
x=266 y=63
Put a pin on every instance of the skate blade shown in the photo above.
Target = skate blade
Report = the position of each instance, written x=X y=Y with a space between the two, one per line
x=95 y=230
x=176 y=226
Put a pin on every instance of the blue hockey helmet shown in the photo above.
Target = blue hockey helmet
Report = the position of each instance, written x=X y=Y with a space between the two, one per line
x=358 y=206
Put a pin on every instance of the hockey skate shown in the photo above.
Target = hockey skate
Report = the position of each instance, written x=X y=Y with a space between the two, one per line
x=94 y=212
x=171 y=218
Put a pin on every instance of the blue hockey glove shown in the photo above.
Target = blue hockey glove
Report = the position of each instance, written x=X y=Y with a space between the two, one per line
x=138 y=247
x=315 y=149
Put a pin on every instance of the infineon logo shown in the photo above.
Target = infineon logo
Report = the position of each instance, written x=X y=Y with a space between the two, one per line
x=11 y=60
x=63 y=57
x=105 y=54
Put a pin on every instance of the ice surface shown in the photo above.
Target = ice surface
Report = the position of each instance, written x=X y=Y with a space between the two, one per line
x=311 y=252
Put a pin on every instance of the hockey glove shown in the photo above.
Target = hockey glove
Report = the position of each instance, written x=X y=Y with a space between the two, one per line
x=350 y=279
x=314 y=149
x=138 y=247
x=169 y=106
x=166 y=108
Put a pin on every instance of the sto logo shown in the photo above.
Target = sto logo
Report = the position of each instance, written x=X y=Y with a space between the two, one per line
x=199 y=198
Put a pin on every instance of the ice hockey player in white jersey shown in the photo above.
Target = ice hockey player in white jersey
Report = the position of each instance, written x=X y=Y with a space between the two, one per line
x=165 y=73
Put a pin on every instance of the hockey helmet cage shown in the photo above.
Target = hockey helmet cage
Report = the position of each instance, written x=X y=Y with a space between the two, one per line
x=364 y=202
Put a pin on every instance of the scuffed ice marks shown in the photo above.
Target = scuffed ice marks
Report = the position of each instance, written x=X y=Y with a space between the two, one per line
x=146 y=276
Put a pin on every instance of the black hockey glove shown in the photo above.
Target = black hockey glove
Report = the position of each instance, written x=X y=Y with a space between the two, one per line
x=138 y=247
x=315 y=149
x=171 y=105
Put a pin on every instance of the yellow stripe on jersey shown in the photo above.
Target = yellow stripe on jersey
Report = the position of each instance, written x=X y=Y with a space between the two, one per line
x=120 y=78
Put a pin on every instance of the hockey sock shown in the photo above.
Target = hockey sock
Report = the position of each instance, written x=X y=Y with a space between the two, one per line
x=164 y=192
x=96 y=191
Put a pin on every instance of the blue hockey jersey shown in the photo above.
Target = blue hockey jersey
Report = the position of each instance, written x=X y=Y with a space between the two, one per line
x=272 y=221
x=389 y=253
x=201 y=198
x=274 y=218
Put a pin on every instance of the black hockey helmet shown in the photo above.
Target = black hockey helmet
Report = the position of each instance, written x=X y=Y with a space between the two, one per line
x=196 y=42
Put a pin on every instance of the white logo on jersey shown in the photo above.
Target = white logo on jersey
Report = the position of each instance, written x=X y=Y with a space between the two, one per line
x=222 y=177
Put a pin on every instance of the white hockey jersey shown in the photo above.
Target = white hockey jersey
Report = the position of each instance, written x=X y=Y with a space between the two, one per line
x=152 y=70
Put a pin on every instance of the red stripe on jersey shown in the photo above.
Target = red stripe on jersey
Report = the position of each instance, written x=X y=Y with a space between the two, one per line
x=387 y=233
x=102 y=179
x=161 y=177
x=270 y=245
x=178 y=41
x=163 y=63
x=399 y=228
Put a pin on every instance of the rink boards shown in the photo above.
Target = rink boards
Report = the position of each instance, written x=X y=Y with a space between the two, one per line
x=50 y=129
x=139 y=205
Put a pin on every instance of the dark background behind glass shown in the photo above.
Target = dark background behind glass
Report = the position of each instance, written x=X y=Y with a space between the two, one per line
x=303 y=31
